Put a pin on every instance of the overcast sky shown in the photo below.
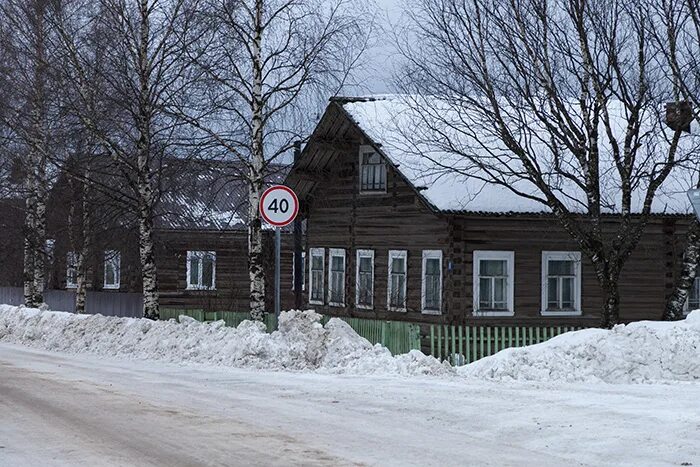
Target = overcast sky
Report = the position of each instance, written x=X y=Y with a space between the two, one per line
x=382 y=58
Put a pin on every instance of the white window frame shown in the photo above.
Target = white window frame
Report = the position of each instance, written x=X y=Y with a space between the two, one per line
x=363 y=254
x=199 y=254
x=365 y=149
x=430 y=254
x=336 y=253
x=322 y=253
x=403 y=254
x=113 y=258
x=71 y=264
x=303 y=270
x=496 y=255
x=561 y=255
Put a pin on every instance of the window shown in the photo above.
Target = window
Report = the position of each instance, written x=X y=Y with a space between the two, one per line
x=112 y=269
x=396 y=291
x=372 y=171
x=201 y=270
x=561 y=283
x=336 y=277
x=693 y=302
x=316 y=276
x=72 y=270
x=364 y=290
x=493 y=283
x=303 y=270
x=431 y=290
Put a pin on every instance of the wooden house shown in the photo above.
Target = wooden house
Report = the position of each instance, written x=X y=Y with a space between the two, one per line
x=386 y=241
x=200 y=235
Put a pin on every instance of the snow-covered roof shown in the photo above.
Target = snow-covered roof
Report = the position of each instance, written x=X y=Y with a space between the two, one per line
x=450 y=182
x=207 y=196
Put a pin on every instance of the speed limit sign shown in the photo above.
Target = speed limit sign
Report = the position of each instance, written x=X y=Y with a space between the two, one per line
x=279 y=205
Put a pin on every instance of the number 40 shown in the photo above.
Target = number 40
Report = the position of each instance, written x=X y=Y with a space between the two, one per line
x=278 y=206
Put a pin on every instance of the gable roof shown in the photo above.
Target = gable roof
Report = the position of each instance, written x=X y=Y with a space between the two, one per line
x=206 y=195
x=192 y=194
x=448 y=183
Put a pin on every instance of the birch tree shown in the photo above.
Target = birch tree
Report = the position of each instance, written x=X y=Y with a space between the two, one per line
x=264 y=65
x=142 y=74
x=560 y=102
x=32 y=108
x=679 y=35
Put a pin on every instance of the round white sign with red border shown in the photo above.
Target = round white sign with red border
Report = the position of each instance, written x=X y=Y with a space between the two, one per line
x=279 y=205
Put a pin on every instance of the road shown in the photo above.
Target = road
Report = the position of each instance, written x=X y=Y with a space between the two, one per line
x=59 y=409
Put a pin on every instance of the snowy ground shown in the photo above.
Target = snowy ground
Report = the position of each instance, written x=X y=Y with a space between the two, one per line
x=61 y=409
x=94 y=390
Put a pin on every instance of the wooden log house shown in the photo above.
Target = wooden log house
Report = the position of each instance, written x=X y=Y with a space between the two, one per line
x=381 y=243
x=200 y=236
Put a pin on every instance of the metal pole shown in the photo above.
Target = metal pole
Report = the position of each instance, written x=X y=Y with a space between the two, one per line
x=278 y=241
x=298 y=261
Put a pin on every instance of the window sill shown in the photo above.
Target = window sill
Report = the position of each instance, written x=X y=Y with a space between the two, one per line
x=111 y=287
x=431 y=312
x=505 y=313
x=315 y=302
x=373 y=193
x=365 y=307
x=335 y=304
x=561 y=313
x=398 y=310
x=201 y=289
x=71 y=287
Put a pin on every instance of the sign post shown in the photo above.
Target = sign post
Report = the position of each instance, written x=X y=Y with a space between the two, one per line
x=279 y=207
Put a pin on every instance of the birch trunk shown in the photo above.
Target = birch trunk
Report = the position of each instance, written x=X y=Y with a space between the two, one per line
x=149 y=271
x=40 y=239
x=256 y=179
x=29 y=250
x=675 y=305
x=81 y=279
x=144 y=181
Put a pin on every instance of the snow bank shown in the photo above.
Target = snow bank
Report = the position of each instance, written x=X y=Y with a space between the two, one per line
x=643 y=351
x=301 y=343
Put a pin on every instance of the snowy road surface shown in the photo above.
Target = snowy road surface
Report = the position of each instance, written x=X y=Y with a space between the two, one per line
x=60 y=409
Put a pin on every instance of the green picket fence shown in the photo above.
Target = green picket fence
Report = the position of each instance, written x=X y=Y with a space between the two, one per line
x=465 y=344
x=457 y=344
x=231 y=318
x=397 y=336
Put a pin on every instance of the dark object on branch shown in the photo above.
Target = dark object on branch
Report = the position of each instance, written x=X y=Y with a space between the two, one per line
x=679 y=115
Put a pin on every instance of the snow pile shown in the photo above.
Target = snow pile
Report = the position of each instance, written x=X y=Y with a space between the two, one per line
x=301 y=343
x=643 y=351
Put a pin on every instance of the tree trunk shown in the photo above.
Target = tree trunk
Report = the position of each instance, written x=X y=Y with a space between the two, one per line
x=256 y=180
x=145 y=186
x=81 y=282
x=29 y=252
x=40 y=246
x=608 y=279
x=675 y=304
x=85 y=237
x=611 y=307
x=255 y=251
x=34 y=233
x=146 y=244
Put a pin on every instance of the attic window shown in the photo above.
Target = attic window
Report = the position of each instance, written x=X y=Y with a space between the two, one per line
x=372 y=171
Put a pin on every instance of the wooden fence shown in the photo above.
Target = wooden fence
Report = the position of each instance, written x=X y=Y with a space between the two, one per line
x=231 y=318
x=461 y=345
x=104 y=303
x=399 y=337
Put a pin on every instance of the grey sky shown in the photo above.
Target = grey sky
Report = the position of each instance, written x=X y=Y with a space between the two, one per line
x=382 y=57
